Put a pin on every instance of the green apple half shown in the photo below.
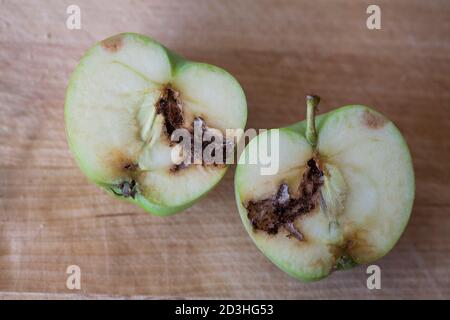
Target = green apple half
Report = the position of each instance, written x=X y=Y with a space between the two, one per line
x=342 y=195
x=124 y=100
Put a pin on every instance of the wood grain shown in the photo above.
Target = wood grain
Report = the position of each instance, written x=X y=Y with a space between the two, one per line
x=51 y=217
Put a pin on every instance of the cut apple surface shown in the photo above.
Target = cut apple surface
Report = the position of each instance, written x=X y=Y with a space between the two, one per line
x=342 y=195
x=124 y=101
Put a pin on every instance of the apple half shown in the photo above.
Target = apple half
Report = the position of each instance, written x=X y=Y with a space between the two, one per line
x=124 y=101
x=342 y=195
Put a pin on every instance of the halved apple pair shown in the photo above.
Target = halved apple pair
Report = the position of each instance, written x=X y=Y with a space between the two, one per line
x=341 y=196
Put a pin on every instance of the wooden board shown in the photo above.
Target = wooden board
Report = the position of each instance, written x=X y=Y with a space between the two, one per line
x=51 y=217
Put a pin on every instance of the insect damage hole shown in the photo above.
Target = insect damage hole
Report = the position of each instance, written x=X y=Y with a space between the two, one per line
x=171 y=109
x=282 y=209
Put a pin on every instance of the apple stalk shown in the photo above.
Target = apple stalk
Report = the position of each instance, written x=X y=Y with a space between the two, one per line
x=312 y=102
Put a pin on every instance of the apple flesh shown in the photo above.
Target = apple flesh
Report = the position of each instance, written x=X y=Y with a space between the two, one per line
x=124 y=100
x=342 y=195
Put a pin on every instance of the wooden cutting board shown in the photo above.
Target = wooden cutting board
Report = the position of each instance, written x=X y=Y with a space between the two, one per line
x=51 y=217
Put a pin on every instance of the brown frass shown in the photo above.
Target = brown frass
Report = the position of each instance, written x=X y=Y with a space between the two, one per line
x=170 y=107
x=282 y=209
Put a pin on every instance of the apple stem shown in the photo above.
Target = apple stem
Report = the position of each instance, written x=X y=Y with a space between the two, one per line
x=311 y=105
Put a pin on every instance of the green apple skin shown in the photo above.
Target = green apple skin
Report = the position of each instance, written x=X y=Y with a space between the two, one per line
x=298 y=131
x=178 y=65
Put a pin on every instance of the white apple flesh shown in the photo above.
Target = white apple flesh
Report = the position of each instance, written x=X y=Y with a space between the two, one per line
x=362 y=200
x=117 y=120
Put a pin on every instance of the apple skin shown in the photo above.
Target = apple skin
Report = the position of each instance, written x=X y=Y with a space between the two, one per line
x=178 y=64
x=300 y=128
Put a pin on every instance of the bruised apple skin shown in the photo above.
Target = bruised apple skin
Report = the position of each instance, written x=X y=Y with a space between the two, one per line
x=342 y=195
x=125 y=98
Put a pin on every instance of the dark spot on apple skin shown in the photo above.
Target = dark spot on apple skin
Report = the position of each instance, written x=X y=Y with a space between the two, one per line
x=126 y=189
x=113 y=44
x=373 y=120
x=281 y=210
